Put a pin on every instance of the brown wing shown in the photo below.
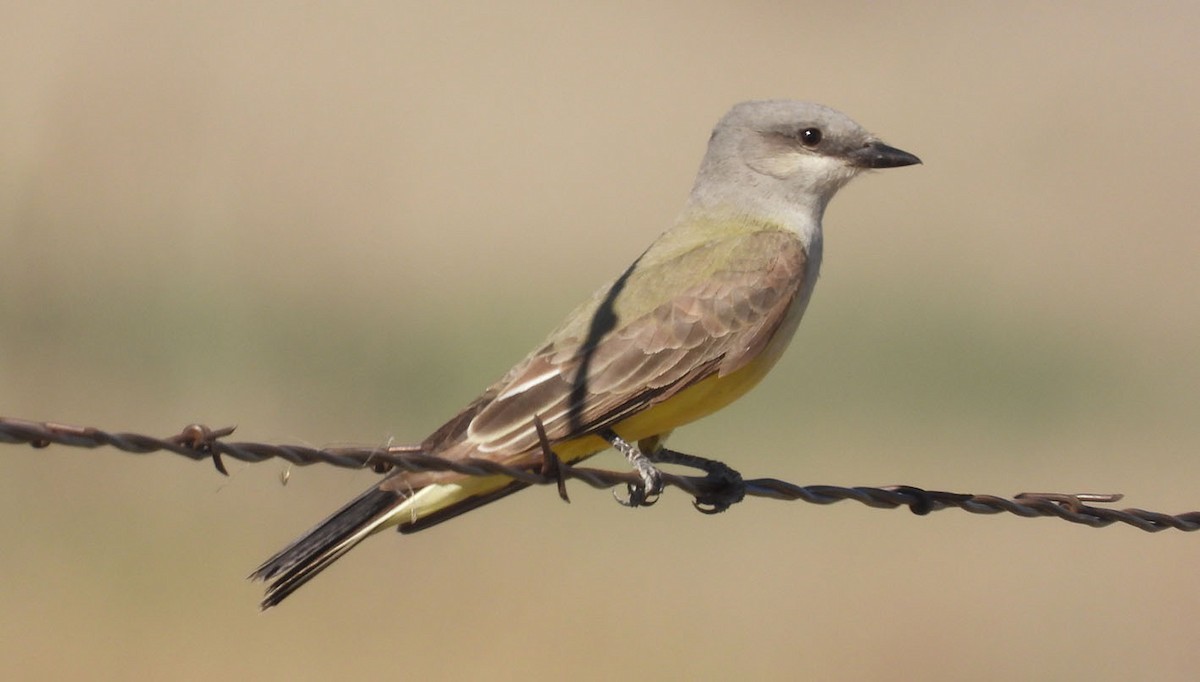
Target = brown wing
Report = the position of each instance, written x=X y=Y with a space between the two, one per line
x=591 y=376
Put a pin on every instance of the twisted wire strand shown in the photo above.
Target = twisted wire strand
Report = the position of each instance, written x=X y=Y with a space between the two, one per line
x=199 y=442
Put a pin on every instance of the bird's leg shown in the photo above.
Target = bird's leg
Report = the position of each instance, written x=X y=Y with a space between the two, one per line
x=726 y=487
x=647 y=493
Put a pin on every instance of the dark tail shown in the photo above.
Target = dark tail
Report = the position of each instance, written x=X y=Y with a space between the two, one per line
x=300 y=561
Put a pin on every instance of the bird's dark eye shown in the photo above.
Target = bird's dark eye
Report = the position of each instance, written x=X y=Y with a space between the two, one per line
x=811 y=137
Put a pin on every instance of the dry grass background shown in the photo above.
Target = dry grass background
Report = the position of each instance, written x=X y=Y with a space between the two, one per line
x=334 y=224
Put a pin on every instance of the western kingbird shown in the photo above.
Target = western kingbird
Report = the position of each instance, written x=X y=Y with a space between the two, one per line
x=695 y=322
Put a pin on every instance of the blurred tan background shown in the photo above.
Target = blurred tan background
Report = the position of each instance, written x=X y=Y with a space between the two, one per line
x=334 y=225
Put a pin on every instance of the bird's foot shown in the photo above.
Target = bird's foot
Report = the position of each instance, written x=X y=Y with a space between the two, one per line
x=647 y=493
x=724 y=486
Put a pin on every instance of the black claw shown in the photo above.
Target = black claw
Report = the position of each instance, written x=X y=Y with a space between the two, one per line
x=638 y=495
x=650 y=499
x=635 y=497
x=728 y=492
x=723 y=487
x=720 y=500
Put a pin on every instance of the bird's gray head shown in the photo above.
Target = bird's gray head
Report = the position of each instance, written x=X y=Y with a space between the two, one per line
x=797 y=152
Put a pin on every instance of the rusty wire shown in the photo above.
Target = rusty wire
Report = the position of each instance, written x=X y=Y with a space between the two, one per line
x=199 y=442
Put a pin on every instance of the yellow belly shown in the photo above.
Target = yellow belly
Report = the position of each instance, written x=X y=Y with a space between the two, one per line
x=692 y=403
x=698 y=400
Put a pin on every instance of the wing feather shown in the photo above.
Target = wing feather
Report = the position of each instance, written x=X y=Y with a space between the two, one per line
x=715 y=324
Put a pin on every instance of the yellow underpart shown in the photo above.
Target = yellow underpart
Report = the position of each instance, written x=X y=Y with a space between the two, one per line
x=696 y=401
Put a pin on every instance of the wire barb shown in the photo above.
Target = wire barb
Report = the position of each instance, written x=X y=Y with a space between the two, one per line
x=552 y=466
x=199 y=442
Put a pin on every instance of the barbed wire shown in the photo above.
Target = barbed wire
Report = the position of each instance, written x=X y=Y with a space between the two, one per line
x=199 y=442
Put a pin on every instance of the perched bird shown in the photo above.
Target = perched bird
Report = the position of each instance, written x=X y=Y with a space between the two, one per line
x=695 y=322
